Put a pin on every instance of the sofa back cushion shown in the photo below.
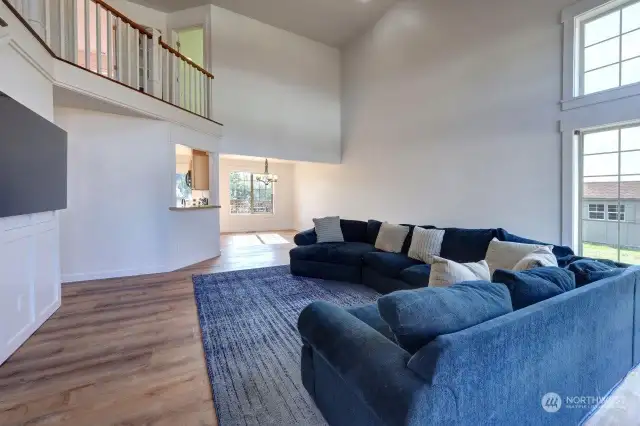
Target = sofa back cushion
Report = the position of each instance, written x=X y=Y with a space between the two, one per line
x=466 y=245
x=373 y=228
x=559 y=251
x=354 y=231
x=535 y=285
x=416 y=317
x=590 y=270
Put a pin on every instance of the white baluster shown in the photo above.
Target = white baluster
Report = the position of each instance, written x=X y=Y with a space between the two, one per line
x=33 y=11
x=47 y=24
x=156 y=65
x=190 y=73
x=145 y=63
x=203 y=107
x=126 y=52
x=166 y=74
x=183 y=82
x=205 y=95
x=210 y=96
x=110 y=72
x=120 y=38
x=87 y=35
x=62 y=22
x=136 y=60
x=72 y=43
x=98 y=39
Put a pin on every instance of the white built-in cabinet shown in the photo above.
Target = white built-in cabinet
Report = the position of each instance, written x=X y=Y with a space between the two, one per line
x=29 y=277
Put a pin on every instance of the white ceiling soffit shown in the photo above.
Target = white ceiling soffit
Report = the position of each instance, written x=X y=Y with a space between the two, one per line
x=332 y=22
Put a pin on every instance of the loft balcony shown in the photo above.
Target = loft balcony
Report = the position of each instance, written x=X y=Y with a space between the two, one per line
x=90 y=36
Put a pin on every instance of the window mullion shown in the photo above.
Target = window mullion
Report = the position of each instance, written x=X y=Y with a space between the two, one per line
x=619 y=151
x=251 y=195
x=620 y=60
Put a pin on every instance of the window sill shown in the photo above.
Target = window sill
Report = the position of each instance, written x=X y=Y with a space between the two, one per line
x=251 y=214
x=180 y=209
x=601 y=97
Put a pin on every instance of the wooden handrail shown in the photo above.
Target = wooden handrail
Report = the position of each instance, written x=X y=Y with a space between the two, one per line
x=123 y=18
x=184 y=58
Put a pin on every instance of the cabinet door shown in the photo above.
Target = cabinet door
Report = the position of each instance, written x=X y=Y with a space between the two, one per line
x=200 y=170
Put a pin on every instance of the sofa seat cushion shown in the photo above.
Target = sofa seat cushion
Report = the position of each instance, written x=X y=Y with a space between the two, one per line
x=389 y=264
x=338 y=253
x=417 y=317
x=416 y=276
x=535 y=285
x=590 y=270
x=370 y=315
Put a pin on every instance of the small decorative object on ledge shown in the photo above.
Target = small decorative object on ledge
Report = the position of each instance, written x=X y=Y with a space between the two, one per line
x=267 y=178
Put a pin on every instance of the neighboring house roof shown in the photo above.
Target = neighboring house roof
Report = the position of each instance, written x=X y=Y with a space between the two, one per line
x=609 y=190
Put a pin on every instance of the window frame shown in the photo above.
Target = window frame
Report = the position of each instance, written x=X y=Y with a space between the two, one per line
x=252 y=180
x=574 y=18
x=596 y=211
x=620 y=212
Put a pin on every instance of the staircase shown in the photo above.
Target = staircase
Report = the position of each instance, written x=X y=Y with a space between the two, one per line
x=92 y=35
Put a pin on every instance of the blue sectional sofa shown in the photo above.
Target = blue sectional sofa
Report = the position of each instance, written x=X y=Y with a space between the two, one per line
x=577 y=344
x=357 y=260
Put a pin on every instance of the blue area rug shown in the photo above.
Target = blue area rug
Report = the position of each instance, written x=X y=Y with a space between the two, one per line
x=252 y=345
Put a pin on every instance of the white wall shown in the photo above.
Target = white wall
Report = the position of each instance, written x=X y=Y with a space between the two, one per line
x=283 y=217
x=278 y=94
x=121 y=185
x=450 y=116
x=29 y=244
x=141 y=14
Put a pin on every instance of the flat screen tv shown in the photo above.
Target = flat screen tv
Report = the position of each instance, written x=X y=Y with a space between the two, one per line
x=33 y=161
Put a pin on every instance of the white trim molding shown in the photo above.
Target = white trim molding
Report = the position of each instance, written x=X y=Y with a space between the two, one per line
x=573 y=18
x=616 y=114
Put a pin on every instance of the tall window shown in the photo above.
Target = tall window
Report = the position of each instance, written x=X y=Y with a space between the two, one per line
x=611 y=194
x=248 y=195
x=610 y=49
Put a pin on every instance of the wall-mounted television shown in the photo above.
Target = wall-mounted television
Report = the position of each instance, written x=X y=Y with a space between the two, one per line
x=33 y=161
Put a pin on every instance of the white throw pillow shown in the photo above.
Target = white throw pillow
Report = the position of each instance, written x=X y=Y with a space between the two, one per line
x=425 y=244
x=391 y=237
x=540 y=258
x=505 y=255
x=445 y=272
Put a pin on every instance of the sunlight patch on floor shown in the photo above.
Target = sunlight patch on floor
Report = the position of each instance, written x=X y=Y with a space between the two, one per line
x=243 y=240
x=272 y=239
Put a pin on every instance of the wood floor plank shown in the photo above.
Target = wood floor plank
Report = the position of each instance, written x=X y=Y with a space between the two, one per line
x=124 y=351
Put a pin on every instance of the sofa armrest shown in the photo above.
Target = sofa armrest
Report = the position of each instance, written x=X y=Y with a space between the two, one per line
x=306 y=238
x=372 y=366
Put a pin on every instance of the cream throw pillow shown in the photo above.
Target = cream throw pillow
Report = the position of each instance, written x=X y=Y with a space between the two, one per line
x=445 y=272
x=425 y=244
x=541 y=257
x=391 y=237
x=505 y=255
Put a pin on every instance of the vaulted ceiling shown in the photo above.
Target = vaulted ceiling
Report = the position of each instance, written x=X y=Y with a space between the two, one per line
x=332 y=22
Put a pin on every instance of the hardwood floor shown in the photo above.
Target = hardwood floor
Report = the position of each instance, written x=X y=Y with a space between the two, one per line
x=126 y=351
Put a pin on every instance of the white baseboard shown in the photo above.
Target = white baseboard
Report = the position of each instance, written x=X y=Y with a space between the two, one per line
x=120 y=273
x=182 y=265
